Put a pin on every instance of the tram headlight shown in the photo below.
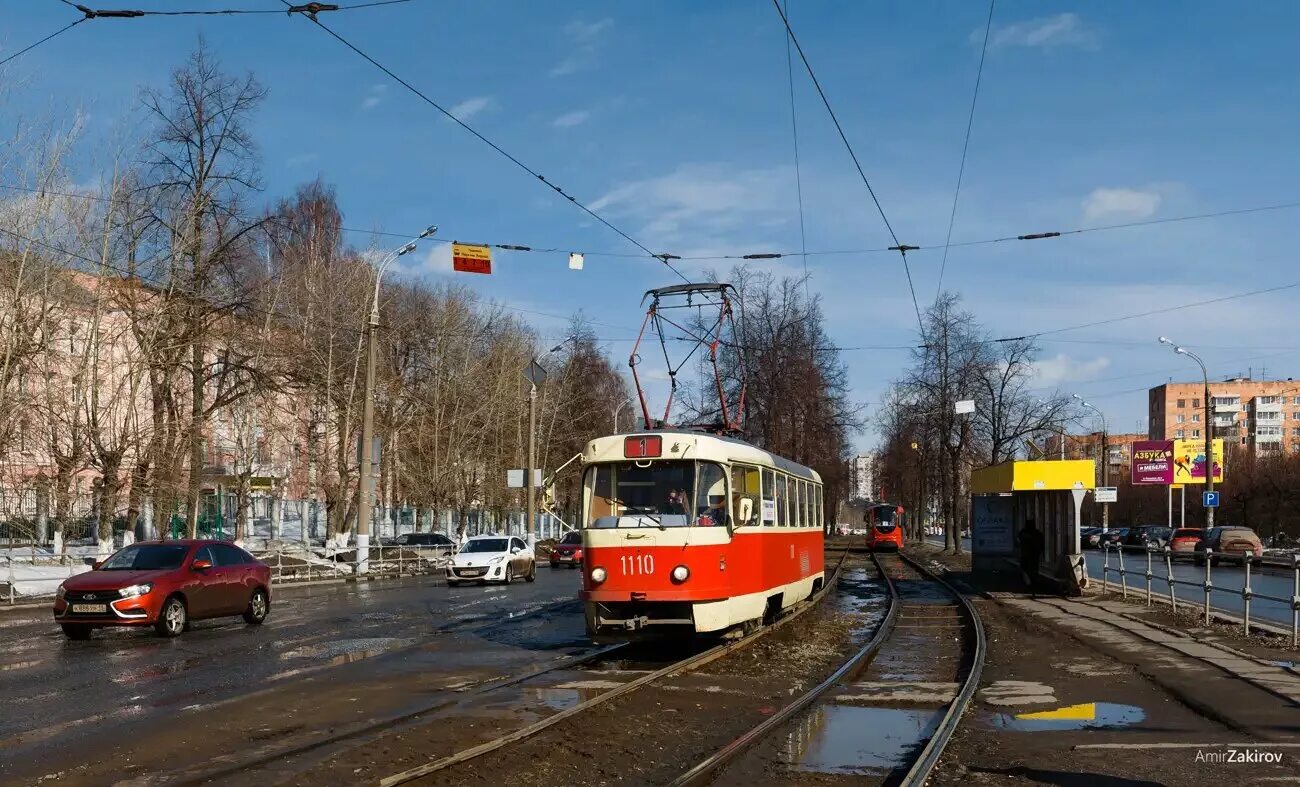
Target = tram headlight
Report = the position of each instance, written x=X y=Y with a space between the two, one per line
x=681 y=574
x=598 y=575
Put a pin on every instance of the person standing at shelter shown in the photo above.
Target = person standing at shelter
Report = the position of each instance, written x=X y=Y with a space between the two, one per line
x=1031 y=553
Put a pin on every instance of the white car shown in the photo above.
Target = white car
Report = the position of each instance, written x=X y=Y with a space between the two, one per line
x=492 y=559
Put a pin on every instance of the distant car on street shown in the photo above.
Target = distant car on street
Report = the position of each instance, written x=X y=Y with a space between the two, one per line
x=492 y=559
x=436 y=541
x=1184 y=540
x=1112 y=537
x=568 y=552
x=165 y=584
x=1148 y=535
x=1090 y=537
x=1229 y=543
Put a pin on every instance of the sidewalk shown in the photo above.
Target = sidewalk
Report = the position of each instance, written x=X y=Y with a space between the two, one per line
x=1099 y=691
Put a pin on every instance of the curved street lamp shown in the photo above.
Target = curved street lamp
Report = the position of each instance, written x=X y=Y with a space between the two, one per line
x=1105 y=460
x=366 y=482
x=1209 y=424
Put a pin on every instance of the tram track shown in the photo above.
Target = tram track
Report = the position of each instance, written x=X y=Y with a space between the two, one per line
x=682 y=666
x=924 y=760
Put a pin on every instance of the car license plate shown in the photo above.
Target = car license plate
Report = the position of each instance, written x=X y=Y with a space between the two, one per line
x=89 y=608
x=471 y=573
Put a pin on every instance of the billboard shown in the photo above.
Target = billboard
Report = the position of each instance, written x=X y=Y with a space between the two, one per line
x=471 y=258
x=1189 y=461
x=1153 y=462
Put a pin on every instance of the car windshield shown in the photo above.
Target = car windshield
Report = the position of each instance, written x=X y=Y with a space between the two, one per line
x=147 y=557
x=572 y=538
x=484 y=545
x=1187 y=533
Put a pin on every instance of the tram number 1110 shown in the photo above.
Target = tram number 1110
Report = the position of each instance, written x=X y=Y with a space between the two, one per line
x=634 y=565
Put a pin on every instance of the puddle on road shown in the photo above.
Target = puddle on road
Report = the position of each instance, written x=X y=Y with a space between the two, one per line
x=1092 y=715
x=843 y=739
x=17 y=665
x=558 y=699
x=1284 y=664
x=345 y=651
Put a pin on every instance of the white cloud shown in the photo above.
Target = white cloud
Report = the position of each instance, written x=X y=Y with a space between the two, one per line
x=581 y=40
x=375 y=97
x=571 y=119
x=471 y=107
x=1120 y=203
x=702 y=203
x=1061 y=30
x=1061 y=368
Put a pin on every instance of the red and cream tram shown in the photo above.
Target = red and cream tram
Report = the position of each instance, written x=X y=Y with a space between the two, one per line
x=696 y=531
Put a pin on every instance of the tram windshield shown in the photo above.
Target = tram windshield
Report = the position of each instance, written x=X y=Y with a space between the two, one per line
x=662 y=494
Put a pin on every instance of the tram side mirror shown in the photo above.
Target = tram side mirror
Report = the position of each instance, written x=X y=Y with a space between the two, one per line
x=745 y=514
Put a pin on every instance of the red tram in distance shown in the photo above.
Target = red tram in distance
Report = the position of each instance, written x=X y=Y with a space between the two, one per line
x=694 y=532
x=884 y=527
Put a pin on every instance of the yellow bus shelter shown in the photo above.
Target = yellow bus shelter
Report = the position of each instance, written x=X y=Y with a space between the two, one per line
x=1050 y=494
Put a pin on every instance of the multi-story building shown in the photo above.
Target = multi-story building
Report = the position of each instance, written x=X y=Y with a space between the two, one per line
x=862 y=477
x=1261 y=414
x=1119 y=450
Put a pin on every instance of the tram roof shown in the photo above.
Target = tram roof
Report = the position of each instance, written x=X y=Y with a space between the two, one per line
x=734 y=448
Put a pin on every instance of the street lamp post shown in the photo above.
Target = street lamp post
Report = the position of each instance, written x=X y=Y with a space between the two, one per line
x=618 y=410
x=1063 y=434
x=366 y=481
x=536 y=375
x=1105 y=460
x=1209 y=424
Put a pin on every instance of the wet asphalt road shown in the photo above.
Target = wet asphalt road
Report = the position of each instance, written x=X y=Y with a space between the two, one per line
x=58 y=693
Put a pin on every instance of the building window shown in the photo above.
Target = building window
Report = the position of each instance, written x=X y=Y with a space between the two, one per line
x=1182 y=402
x=1295 y=400
x=1196 y=403
x=1196 y=418
x=1179 y=434
x=1265 y=400
x=1180 y=418
x=1295 y=431
x=1196 y=433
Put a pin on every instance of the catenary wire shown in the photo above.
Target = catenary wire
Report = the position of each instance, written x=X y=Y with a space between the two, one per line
x=965 y=146
x=798 y=175
x=902 y=250
x=53 y=35
x=502 y=151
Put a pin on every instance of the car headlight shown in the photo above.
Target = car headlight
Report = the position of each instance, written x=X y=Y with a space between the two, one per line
x=496 y=560
x=61 y=591
x=598 y=575
x=681 y=573
x=134 y=591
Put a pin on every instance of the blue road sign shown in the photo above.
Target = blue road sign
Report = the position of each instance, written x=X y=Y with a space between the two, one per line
x=1211 y=499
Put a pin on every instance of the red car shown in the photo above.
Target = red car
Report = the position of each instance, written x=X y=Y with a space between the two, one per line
x=165 y=584
x=568 y=552
x=1184 y=541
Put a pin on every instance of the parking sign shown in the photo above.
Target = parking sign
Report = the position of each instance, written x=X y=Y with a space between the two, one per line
x=1211 y=499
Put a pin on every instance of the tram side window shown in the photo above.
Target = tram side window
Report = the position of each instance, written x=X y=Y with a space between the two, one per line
x=818 y=508
x=745 y=486
x=711 y=496
x=769 y=498
x=782 y=518
x=797 y=492
x=810 y=517
x=602 y=494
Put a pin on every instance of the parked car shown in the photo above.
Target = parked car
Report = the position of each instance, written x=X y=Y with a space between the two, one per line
x=1090 y=537
x=568 y=552
x=1148 y=535
x=1229 y=543
x=435 y=541
x=1184 y=540
x=1113 y=537
x=492 y=559
x=165 y=584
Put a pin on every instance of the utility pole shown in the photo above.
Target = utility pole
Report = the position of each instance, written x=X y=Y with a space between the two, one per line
x=536 y=375
x=1209 y=425
x=366 y=479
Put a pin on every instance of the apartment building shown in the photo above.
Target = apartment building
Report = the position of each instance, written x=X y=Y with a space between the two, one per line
x=862 y=477
x=1119 y=453
x=1261 y=414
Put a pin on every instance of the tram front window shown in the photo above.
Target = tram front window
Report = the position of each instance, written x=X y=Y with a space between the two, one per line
x=662 y=494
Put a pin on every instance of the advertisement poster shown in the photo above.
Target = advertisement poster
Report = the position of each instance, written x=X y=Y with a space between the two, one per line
x=1189 y=461
x=1153 y=462
x=991 y=529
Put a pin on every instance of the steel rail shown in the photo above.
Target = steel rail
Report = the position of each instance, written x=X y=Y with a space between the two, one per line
x=929 y=756
x=704 y=770
x=685 y=665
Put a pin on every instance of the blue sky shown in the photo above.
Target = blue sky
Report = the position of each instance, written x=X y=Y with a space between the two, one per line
x=672 y=119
